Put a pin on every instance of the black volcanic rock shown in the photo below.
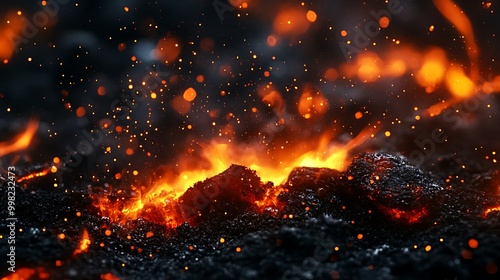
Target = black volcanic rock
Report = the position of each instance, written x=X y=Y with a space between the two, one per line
x=392 y=182
x=322 y=180
x=225 y=195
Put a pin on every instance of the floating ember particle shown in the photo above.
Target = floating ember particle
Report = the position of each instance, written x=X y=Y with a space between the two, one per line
x=181 y=105
x=80 y=112
x=101 y=91
x=394 y=185
x=291 y=21
x=311 y=16
x=189 y=94
x=384 y=22
x=272 y=40
x=168 y=49
x=473 y=243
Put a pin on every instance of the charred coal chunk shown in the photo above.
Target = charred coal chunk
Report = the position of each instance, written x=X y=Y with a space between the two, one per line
x=323 y=181
x=223 y=196
x=395 y=186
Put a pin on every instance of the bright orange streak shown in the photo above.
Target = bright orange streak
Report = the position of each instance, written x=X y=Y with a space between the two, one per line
x=438 y=108
x=492 y=86
x=453 y=14
x=34 y=175
x=493 y=209
x=84 y=243
x=20 y=142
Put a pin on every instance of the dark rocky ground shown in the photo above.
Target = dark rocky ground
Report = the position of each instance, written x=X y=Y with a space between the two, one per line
x=340 y=229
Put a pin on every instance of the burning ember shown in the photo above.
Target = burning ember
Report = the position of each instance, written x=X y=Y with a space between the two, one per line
x=249 y=140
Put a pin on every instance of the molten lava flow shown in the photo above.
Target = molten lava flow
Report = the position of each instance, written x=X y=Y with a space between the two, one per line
x=20 y=142
x=84 y=243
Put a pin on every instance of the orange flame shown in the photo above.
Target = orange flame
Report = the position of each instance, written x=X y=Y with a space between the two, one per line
x=20 y=142
x=160 y=201
x=84 y=243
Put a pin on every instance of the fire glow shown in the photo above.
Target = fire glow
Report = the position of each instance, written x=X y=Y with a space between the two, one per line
x=261 y=142
x=163 y=195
